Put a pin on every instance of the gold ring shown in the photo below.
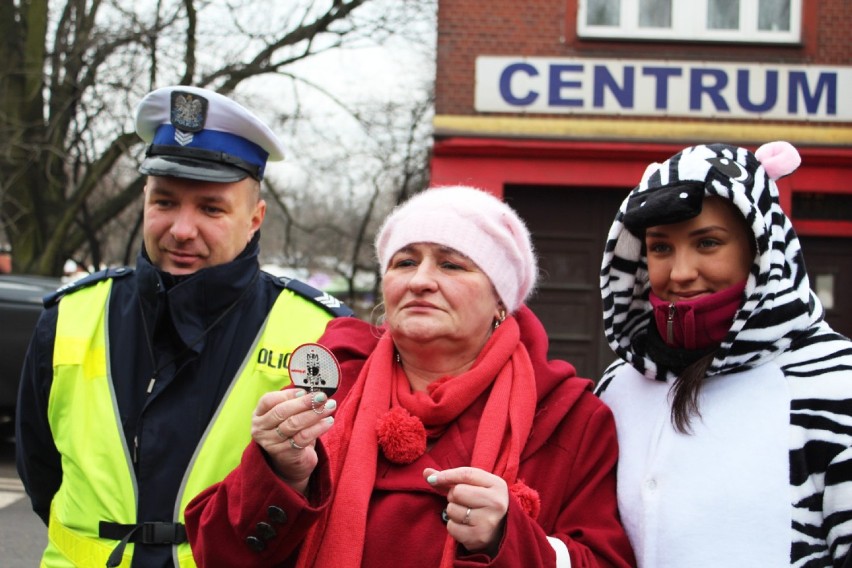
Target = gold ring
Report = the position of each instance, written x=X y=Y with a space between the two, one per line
x=466 y=520
x=280 y=433
x=295 y=446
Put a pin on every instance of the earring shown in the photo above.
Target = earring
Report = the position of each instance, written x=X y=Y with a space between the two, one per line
x=500 y=319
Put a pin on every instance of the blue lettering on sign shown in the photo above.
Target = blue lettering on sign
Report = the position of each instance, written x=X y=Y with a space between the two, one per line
x=557 y=83
x=661 y=76
x=658 y=87
x=770 y=97
x=697 y=87
x=799 y=83
x=506 y=84
x=623 y=94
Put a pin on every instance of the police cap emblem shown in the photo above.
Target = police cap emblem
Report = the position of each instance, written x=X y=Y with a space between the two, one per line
x=189 y=111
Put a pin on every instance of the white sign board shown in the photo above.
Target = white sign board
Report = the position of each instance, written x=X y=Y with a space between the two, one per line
x=696 y=89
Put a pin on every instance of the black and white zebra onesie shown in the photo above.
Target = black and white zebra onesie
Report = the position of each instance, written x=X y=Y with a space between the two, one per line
x=765 y=476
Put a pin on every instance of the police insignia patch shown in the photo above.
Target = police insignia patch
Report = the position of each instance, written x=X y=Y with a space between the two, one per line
x=189 y=111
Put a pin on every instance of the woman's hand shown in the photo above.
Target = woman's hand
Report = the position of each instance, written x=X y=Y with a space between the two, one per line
x=286 y=424
x=477 y=502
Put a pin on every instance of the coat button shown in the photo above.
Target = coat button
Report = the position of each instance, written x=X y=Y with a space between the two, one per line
x=255 y=543
x=266 y=531
x=277 y=514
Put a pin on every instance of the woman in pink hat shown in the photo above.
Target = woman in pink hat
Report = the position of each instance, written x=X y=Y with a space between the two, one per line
x=456 y=443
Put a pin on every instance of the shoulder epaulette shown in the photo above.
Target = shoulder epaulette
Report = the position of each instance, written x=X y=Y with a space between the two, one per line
x=331 y=304
x=54 y=297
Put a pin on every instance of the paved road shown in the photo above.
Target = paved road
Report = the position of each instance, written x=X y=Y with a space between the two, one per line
x=22 y=534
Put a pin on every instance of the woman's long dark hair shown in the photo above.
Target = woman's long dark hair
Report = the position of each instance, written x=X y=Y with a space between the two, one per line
x=687 y=386
x=685 y=391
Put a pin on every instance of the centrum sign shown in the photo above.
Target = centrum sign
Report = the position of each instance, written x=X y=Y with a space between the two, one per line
x=663 y=88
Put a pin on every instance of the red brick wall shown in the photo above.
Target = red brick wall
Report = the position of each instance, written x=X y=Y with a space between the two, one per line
x=467 y=28
x=831 y=31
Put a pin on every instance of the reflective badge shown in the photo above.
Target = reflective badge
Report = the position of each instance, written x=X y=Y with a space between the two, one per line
x=314 y=367
x=189 y=111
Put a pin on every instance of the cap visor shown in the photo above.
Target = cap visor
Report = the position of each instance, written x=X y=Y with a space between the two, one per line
x=190 y=168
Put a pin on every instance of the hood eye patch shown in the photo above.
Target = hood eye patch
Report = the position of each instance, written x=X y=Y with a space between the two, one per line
x=730 y=168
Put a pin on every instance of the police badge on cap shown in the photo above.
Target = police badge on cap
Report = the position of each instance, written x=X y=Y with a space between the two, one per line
x=188 y=111
x=198 y=134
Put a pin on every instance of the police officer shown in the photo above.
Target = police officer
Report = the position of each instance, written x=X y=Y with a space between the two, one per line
x=139 y=384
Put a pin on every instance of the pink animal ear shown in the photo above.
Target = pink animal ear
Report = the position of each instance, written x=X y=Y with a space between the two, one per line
x=778 y=158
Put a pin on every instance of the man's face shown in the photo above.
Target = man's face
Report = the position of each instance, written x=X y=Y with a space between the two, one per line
x=190 y=225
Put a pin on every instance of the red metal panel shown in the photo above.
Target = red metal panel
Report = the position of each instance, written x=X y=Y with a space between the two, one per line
x=491 y=163
x=823 y=228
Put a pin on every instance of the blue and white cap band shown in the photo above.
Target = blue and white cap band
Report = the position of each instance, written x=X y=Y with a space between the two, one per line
x=199 y=134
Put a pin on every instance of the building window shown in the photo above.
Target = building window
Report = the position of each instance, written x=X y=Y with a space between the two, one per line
x=814 y=206
x=738 y=21
x=824 y=289
x=723 y=14
x=604 y=13
x=655 y=14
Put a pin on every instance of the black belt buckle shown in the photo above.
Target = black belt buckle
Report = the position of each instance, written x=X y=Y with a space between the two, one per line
x=163 y=533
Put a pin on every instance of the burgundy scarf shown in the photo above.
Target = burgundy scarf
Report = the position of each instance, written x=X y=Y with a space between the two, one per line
x=697 y=324
x=337 y=539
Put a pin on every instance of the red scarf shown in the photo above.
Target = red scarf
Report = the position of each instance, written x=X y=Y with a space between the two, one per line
x=337 y=539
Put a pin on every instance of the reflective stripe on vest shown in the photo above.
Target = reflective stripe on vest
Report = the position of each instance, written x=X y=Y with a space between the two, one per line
x=98 y=481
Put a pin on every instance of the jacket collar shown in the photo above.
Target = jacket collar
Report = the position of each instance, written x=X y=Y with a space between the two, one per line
x=192 y=303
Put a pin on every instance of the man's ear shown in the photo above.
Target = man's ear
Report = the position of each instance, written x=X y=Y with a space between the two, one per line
x=257 y=217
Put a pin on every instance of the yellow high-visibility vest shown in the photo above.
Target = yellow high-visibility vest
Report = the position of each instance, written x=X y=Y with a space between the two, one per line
x=98 y=481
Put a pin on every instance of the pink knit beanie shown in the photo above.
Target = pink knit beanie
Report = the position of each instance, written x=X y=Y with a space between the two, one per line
x=476 y=224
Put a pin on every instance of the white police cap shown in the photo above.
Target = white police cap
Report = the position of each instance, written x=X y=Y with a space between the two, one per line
x=199 y=134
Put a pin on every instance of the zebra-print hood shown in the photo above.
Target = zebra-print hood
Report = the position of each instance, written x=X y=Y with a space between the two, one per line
x=777 y=301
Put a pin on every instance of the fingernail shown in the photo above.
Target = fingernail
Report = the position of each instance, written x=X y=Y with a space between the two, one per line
x=299 y=392
x=432 y=479
x=329 y=420
x=320 y=398
x=331 y=404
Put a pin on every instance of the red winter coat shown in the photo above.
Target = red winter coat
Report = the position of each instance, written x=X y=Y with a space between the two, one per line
x=252 y=518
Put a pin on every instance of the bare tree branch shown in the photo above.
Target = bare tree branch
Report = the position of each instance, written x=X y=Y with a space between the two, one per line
x=74 y=69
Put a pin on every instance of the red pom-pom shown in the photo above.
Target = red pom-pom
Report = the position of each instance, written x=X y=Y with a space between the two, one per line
x=527 y=497
x=402 y=436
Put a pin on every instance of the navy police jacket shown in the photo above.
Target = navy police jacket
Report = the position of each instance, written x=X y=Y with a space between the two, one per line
x=199 y=329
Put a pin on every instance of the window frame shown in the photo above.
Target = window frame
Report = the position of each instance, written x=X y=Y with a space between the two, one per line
x=689 y=23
